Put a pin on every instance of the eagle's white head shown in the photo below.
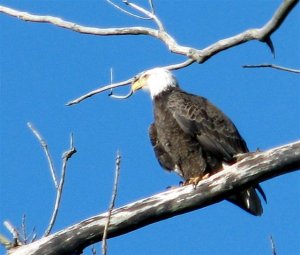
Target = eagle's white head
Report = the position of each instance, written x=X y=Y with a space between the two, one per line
x=155 y=81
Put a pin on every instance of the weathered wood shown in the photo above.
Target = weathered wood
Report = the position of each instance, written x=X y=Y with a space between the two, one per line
x=254 y=168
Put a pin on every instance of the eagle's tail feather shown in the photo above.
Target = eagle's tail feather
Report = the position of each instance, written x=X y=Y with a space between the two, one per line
x=248 y=200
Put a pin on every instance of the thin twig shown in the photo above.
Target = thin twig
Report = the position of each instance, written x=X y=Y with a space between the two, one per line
x=14 y=232
x=152 y=7
x=24 y=228
x=151 y=15
x=111 y=90
x=112 y=203
x=273 y=66
x=273 y=246
x=111 y=80
x=66 y=156
x=47 y=152
x=99 y=90
x=34 y=235
x=129 y=94
x=111 y=75
x=125 y=11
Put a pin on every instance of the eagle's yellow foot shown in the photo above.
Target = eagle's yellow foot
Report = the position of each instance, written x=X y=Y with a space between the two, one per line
x=195 y=180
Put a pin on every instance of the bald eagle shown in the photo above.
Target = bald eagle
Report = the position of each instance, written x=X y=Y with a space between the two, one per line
x=191 y=136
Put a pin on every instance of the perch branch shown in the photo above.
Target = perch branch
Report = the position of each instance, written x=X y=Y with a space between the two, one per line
x=273 y=66
x=254 y=168
x=112 y=203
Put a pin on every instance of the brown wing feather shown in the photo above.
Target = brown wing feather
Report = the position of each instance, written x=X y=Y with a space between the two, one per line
x=213 y=129
x=162 y=156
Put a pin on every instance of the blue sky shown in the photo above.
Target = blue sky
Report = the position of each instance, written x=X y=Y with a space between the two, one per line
x=43 y=67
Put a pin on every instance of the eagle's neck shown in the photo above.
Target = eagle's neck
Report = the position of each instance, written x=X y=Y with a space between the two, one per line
x=160 y=81
x=164 y=94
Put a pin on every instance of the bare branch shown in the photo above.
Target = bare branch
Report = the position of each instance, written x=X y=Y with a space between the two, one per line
x=24 y=228
x=112 y=203
x=125 y=11
x=151 y=15
x=34 y=236
x=76 y=27
x=262 y=34
x=255 y=168
x=14 y=232
x=111 y=90
x=129 y=94
x=273 y=66
x=151 y=6
x=66 y=156
x=273 y=246
x=124 y=83
x=47 y=152
x=180 y=65
x=99 y=90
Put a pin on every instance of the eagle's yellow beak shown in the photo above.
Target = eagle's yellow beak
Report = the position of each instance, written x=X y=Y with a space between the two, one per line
x=138 y=84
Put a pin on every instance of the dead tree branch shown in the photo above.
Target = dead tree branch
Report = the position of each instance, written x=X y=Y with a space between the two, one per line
x=66 y=156
x=112 y=203
x=255 y=168
x=58 y=186
x=261 y=34
x=47 y=153
x=15 y=234
x=127 y=12
x=123 y=83
x=273 y=66
x=273 y=246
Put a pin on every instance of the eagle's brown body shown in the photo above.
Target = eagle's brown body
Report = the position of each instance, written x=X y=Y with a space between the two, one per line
x=193 y=137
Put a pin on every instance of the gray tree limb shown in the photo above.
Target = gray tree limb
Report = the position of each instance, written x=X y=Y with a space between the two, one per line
x=254 y=168
x=262 y=34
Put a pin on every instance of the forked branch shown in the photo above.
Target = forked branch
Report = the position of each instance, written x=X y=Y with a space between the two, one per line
x=58 y=185
x=262 y=34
